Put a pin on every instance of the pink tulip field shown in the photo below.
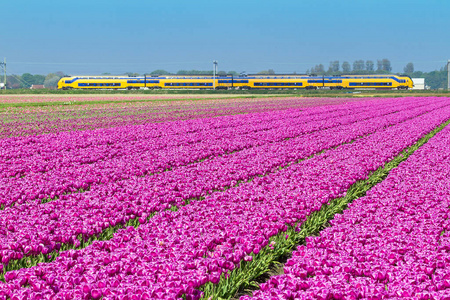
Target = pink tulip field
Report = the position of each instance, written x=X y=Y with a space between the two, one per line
x=36 y=114
x=244 y=198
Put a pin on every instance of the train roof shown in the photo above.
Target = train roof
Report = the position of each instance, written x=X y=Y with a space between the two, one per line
x=249 y=76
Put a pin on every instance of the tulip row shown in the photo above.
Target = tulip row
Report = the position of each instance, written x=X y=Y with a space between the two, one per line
x=19 y=150
x=94 y=155
x=268 y=259
x=176 y=252
x=72 y=141
x=31 y=230
x=55 y=119
x=102 y=162
x=392 y=243
x=87 y=98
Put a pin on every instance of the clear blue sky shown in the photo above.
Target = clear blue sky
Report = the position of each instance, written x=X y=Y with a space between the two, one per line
x=92 y=37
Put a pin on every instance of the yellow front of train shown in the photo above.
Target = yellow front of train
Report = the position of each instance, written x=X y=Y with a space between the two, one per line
x=61 y=83
x=409 y=83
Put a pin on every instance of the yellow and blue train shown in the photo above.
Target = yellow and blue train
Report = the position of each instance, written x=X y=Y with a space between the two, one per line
x=241 y=82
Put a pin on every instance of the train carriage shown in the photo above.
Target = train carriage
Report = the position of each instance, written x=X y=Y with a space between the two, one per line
x=377 y=81
x=93 y=82
x=187 y=82
x=276 y=82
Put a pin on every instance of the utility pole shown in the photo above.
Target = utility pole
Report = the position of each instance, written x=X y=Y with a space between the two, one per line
x=3 y=64
x=214 y=73
x=448 y=75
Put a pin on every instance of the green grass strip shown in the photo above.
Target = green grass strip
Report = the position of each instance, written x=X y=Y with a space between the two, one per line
x=245 y=278
x=307 y=93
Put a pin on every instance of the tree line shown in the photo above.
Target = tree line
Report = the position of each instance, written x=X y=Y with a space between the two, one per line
x=26 y=80
x=359 y=67
x=435 y=79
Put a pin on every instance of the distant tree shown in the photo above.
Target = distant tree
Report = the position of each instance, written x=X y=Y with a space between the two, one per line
x=346 y=67
x=194 y=72
x=370 y=67
x=409 y=68
x=50 y=75
x=334 y=67
x=267 y=72
x=307 y=71
x=436 y=79
x=386 y=65
x=60 y=74
x=27 y=79
x=14 y=82
x=160 y=72
x=379 y=65
x=38 y=79
x=418 y=74
x=131 y=74
x=52 y=82
x=318 y=69
x=106 y=73
x=234 y=73
x=222 y=73
x=358 y=65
